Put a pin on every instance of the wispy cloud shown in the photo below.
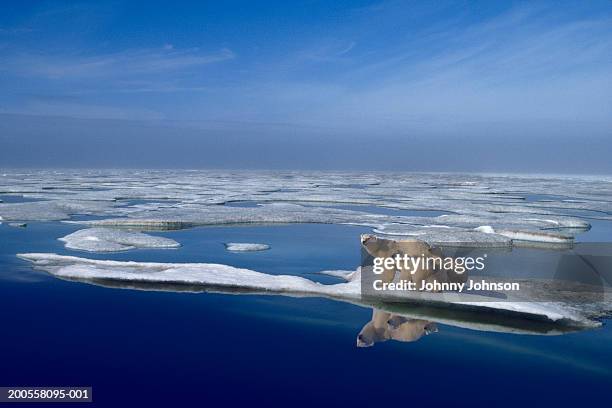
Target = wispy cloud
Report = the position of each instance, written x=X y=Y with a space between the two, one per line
x=117 y=65
x=521 y=66
x=86 y=111
x=15 y=30
x=326 y=51
x=404 y=68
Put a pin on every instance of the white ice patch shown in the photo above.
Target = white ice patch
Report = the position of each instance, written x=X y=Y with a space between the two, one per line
x=487 y=229
x=344 y=275
x=216 y=275
x=245 y=247
x=535 y=236
x=444 y=235
x=39 y=211
x=113 y=240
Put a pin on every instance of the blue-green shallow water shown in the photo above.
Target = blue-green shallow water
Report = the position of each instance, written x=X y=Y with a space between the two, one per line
x=155 y=348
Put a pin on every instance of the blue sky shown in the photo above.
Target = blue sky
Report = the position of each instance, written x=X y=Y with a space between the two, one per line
x=505 y=85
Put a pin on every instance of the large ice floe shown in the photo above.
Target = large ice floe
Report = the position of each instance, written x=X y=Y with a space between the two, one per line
x=112 y=240
x=519 y=317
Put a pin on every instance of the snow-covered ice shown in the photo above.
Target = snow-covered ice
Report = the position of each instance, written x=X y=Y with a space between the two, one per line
x=224 y=277
x=245 y=247
x=113 y=240
x=215 y=275
x=545 y=209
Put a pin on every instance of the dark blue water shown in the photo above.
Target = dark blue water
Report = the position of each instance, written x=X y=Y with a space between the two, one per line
x=601 y=231
x=155 y=348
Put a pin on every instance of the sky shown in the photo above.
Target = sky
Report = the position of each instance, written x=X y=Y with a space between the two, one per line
x=374 y=85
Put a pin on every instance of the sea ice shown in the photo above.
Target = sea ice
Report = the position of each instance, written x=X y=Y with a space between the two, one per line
x=545 y=209
x=245 y=247
x=113 y=240
x=32 y=211
x=224 y=277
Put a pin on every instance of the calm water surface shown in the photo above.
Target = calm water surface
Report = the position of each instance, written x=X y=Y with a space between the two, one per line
x=158 y=348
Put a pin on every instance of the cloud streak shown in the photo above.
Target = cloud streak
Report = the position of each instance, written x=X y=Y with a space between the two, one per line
x=117 y=65
x=518 y=67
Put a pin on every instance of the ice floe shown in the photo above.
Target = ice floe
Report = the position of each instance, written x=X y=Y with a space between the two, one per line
x=113 y=240
x=544 y=209
x=33 y=211
x=215 y=277
x=245 y=247
x=448 y=236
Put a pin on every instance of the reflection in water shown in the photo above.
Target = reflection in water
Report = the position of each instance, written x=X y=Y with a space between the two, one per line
x=387 y=326
x=404 y=322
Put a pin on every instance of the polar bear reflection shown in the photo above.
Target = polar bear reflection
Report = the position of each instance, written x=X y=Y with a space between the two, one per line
x=386 y=326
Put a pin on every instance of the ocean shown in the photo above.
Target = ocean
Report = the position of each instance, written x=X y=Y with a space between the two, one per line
x=153 y=347
x=149 y=347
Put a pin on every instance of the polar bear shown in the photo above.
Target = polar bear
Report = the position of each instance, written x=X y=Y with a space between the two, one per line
x=386 y=326
x=379 y=247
